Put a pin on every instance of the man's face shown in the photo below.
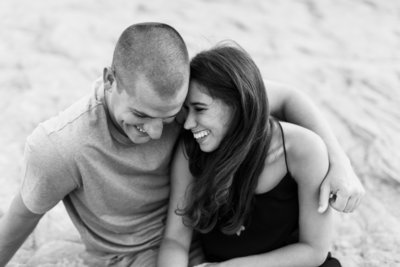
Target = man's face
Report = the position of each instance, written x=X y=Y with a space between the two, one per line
x=138 y=111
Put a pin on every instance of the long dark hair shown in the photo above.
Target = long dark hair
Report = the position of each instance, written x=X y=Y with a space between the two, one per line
x=225 y=179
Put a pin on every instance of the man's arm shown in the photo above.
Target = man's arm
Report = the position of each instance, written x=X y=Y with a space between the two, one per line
x=46 y=181
x=295 y=107
x=15 y=226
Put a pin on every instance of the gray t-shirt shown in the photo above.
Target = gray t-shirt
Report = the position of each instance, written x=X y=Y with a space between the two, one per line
x=115 y=192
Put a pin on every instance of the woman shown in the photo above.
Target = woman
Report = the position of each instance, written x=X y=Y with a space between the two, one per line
x=245 y=182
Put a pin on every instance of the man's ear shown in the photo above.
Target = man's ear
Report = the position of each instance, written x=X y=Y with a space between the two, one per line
x=108 y=78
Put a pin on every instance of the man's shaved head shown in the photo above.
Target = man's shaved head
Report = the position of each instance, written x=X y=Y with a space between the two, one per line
x=155 y=51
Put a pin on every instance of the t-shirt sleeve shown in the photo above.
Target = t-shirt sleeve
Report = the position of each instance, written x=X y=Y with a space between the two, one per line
x=46 y=179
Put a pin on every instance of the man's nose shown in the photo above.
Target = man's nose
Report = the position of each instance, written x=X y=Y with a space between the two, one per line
x=154 y=128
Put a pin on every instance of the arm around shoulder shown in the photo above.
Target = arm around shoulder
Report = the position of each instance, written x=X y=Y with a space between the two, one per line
x=296 y=107
x=286 y=102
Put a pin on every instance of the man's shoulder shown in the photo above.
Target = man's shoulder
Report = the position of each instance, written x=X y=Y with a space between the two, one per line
x=70 y=126
x=77 y=116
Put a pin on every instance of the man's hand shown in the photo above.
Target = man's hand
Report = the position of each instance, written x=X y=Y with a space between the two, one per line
x=341 y=188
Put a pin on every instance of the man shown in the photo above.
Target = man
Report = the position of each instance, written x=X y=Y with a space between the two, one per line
x=107 y=156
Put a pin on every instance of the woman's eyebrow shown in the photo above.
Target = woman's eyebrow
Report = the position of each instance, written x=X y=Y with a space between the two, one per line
x=198 y=104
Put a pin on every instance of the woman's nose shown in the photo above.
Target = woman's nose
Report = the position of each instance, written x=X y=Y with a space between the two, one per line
x=190 y=122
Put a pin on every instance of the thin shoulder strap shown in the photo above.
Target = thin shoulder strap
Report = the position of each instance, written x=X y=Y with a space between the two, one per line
x=284 y=146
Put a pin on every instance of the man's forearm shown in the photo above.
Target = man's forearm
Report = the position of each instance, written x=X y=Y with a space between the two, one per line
x=300 y=110
x=11 y=242
x=7 y=251
x=15 y=227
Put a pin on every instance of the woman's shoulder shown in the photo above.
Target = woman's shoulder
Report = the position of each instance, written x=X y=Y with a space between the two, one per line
x=297 y=138
x=297 y=141
x=275 y=163
x=306 y=152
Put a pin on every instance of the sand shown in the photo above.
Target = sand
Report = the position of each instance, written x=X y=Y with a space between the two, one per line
x=344 y=54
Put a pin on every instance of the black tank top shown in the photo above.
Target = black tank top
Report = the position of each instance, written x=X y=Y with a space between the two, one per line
x=272 y=223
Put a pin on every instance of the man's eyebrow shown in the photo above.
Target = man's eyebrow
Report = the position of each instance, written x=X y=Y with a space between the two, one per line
x=148 y=116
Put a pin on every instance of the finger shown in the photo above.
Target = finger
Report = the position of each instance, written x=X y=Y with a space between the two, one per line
x=324 y=197
x=340 y=203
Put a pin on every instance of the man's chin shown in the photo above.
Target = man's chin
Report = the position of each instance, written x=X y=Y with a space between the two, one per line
x=140 y=140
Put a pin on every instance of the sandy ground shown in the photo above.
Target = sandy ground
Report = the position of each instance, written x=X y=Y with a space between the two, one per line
x=344 y=54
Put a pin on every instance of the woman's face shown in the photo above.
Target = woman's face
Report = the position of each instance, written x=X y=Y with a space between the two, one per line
x=207 y=118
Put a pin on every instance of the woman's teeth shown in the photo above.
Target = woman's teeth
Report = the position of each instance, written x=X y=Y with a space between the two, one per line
x=201 y=134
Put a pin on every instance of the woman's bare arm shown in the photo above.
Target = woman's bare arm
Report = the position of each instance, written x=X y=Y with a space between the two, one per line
x=175 y=245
